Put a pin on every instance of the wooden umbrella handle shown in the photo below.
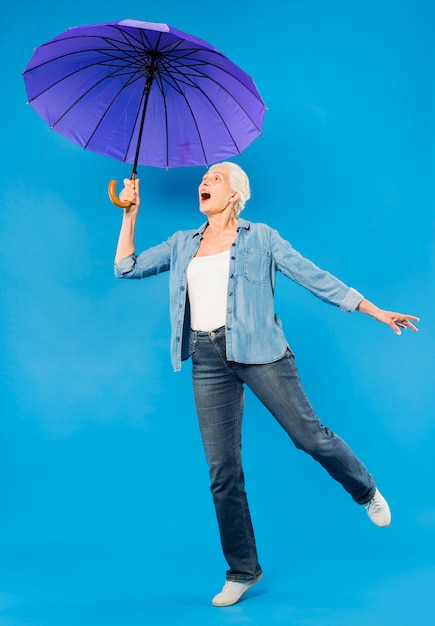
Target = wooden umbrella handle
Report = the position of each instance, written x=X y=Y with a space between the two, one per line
x=123 y=204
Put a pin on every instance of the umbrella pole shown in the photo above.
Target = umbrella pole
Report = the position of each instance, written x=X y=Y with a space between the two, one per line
x=142 y=122
x=112 y=185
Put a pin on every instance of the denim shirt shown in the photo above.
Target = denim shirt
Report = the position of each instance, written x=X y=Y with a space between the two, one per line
x=253 y=331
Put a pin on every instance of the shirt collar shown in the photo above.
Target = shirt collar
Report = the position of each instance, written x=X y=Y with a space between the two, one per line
x=243 y=224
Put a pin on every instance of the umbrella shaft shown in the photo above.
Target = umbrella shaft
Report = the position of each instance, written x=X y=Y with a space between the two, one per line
x=147 y=90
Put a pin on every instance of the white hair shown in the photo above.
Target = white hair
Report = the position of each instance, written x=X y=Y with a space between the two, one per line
x=239 y=183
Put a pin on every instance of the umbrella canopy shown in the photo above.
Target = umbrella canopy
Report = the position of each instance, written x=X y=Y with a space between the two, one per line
x=144 y=93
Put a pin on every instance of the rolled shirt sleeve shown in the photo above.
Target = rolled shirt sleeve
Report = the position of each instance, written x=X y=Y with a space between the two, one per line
x=351 y=300
x=125 y=266
x=148 y=263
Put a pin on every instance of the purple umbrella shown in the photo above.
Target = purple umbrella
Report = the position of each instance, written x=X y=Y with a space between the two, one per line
x=144 y=93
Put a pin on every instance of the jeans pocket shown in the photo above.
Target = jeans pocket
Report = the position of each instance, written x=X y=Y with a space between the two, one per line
x=289 y=353
x=193 y=342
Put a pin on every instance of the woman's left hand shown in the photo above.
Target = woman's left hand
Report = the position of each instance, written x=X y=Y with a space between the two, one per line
x=396 y=321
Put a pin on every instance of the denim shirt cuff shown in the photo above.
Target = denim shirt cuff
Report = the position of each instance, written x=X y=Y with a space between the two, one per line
x=351 y=300
x=124 y=266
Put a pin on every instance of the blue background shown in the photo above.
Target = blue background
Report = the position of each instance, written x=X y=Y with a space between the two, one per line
x=105 y=512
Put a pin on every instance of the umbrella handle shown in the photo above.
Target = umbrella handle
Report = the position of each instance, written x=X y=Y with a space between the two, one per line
x=123 y=204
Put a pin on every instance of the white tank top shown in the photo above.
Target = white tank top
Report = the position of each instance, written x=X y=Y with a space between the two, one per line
x=207 y=284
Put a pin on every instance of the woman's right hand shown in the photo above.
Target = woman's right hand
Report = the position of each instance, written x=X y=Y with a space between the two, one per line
x=130 y=194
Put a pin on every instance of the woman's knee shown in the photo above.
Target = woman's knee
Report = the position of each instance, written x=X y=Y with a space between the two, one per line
x=316 y=443
x=225 y=476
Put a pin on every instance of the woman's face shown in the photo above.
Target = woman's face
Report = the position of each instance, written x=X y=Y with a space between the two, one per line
x=215 y=193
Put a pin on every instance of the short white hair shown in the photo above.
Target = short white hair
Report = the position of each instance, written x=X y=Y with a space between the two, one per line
x=239 y=182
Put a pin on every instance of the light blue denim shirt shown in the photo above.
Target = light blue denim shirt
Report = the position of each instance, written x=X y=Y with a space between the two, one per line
x=253 y=331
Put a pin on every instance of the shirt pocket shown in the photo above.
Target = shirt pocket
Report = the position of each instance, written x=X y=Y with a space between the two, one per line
x=257 y=265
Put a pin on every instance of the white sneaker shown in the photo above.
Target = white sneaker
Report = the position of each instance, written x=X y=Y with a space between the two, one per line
x=378 y=510
x=232 y=592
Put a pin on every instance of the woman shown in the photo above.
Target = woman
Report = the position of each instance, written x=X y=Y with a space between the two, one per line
x=222 y=278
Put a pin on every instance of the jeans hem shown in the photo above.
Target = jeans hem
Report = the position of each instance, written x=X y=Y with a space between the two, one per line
x=368 y=497
x=242 y=578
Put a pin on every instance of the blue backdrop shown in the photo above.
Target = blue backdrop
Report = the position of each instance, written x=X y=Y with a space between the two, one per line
x=105 y=513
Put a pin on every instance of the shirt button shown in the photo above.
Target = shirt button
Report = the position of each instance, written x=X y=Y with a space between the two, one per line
x=230 y=293
x=233 y=257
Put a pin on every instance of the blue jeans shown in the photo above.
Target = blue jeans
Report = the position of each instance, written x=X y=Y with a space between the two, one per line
x=218 y=390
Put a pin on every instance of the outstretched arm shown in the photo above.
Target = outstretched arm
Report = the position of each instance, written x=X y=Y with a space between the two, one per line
x=130 y=193
x=396 y=321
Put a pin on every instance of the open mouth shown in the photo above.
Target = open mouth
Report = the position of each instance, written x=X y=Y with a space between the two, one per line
x=205 y=196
